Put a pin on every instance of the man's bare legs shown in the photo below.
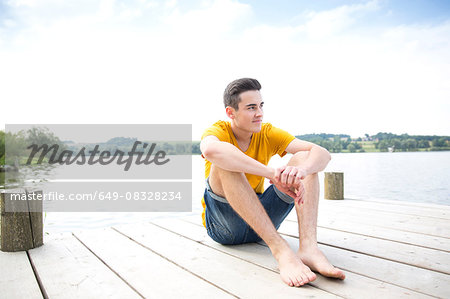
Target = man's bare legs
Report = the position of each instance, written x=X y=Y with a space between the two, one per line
x=307 y=213
x=240 y=195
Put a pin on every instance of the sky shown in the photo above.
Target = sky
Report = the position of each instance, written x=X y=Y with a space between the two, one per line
x=343 y=67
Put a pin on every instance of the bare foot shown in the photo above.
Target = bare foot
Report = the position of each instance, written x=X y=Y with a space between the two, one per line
x=316 y=260
x=292 y=270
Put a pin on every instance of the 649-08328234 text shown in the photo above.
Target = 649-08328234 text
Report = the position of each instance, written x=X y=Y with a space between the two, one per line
x=99 y=195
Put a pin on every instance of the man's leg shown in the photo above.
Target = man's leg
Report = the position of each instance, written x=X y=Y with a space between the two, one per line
x=307 y=213
x=240 y=195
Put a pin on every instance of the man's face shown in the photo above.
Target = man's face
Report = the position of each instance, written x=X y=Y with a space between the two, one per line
x=250 y=114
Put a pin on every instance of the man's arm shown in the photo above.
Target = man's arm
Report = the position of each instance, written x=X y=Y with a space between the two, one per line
x=290 y=179
x=228 y=157
x=318 y=156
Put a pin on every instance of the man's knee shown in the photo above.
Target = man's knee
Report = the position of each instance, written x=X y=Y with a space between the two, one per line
x=219 y=177
x=223 y=174
x=298 y=158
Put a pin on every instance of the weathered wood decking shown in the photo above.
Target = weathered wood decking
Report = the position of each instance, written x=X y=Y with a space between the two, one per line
x=387 y=249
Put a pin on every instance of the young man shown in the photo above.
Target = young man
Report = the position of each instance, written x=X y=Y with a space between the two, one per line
x=237 y=209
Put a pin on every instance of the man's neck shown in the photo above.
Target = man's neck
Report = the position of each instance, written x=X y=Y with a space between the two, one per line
x=241 y=135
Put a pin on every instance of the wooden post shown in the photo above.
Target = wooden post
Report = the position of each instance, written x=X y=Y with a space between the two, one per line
x=21 y=223
x=334 y=185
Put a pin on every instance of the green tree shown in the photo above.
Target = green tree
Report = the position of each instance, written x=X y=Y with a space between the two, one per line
x=410 y=144
x=383 y=145
x=180 y=149
x=15 y=147
x=42 y=135
x=345 y=143
x=327 y=144
x=351 y=147
x=397 y=144
x=337 y=147
x=423 y=144
x=439 y=142
x=196 y=148
x=16 y=144
x=2 y=148
x=168 y=148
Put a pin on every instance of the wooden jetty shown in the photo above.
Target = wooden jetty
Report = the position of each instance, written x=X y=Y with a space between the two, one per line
x=388 y=250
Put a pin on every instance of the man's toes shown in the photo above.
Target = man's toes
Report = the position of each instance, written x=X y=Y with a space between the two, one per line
x=287 y=280
x=289 y=283
x=336 y=273
x=298 y=281
x=340 y=274
x=312 y=276
x=304 y=279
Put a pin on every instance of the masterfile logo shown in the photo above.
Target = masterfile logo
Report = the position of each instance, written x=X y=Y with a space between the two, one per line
x=118 y=168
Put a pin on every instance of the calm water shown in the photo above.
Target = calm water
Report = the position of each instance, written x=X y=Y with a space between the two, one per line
x=418 y=177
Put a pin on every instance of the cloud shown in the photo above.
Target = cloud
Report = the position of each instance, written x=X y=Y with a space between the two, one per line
x=215 y=18
x=26 y=3
x=159 y=62
x=327 y=23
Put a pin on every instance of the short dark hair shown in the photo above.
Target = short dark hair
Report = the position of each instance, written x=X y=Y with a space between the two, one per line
x=231 y=95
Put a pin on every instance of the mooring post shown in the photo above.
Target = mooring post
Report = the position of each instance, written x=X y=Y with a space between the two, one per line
x=334 y=185
x=21 y=222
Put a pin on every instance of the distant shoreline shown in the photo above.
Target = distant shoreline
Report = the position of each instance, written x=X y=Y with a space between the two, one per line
x=334 y=143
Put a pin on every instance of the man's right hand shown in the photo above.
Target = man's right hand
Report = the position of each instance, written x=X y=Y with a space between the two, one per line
x=293 y=187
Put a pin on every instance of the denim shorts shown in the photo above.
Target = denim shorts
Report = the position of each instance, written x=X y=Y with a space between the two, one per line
x=226 y=227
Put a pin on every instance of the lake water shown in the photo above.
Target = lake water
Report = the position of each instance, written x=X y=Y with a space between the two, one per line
x=416 y=177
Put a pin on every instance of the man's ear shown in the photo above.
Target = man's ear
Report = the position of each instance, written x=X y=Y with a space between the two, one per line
x=230 y=112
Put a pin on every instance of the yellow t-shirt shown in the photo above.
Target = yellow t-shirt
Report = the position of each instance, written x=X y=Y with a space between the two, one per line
x=264 y=144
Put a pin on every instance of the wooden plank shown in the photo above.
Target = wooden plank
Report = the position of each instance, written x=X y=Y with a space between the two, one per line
x=407 y=203
x=238 y=276
x=420 y=280
x=416 y=224
x=133 y=263
x=17 y=279
x=390 y=207
x=385 y=214
x=418 y=239
x=68 y=270
x=347 y=224
x=361 y=267
x=346 y=220
x=425 y=258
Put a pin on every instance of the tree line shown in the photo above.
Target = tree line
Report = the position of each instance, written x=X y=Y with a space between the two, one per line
x=335 y=143
x=18 y=143
x=407 y=142
x=381 y=142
